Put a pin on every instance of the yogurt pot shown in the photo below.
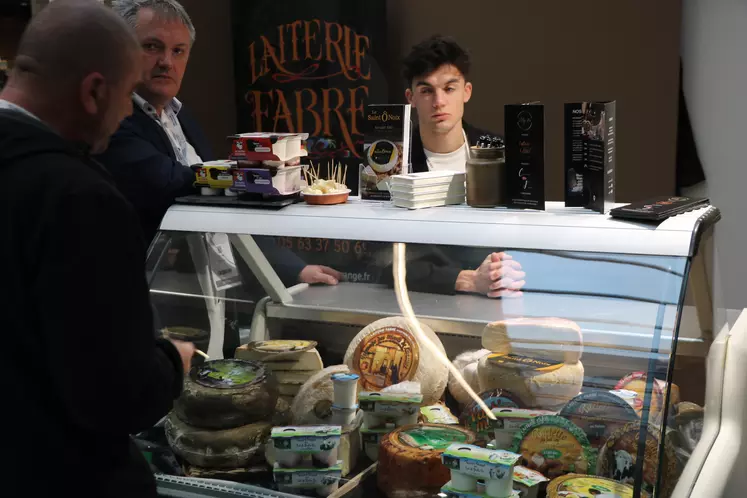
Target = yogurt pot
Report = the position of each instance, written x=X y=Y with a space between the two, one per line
x=304 y=446
x=371 y=439
x=345 y=390
x=343 y=416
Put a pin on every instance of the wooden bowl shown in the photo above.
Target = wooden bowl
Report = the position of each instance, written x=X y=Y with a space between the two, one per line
x=327 y=199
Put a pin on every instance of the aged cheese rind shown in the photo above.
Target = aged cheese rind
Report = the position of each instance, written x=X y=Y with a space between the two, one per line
x=599 y=414
x=304 y=359
x=388 y=352
x=312 y=405
x=213 y=408
x=223 y=449
x=466 y=363
x=407 y=471
x=546 y=390
x=564 y=337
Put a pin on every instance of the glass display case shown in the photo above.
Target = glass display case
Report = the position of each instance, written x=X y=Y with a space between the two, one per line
x=601 y=327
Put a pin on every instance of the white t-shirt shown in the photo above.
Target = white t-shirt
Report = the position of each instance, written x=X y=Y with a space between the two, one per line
x=451 y=161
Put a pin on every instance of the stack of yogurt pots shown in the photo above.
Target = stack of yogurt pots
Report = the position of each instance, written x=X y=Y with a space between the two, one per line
x=345 y=406
x=306 y=459
x=384 y=412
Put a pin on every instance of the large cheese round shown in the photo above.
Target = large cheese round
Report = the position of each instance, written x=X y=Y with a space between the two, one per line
x=638 y=382
x=466 y=364
x=224 y=394
x=313 y=403
x=599 y=414
x=556 y=339
x=618 y=457
x=539 y=383
x=221 y=449
x=387 y=352
x=410 y=459
x=583 y=486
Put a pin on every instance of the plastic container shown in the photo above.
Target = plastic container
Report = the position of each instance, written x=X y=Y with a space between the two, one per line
x=307 y=446
x=371 y=439
x=343 y=416
x=345 y=390
x=486 y=170
x=468 y=464
x=433 y=201
x=281 y=181
x=268 y=146
x=323 y=482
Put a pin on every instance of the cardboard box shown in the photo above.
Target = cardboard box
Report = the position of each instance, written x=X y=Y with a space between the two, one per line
x=386 y=149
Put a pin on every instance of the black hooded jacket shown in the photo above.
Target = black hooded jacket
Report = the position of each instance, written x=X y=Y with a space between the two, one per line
x=81 y=366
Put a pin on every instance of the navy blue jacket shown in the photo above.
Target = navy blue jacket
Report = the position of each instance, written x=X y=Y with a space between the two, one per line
x=142 y=161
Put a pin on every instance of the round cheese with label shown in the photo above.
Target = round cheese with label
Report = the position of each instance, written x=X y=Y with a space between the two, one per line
x=539 y=382
x=387 y=352
x=554 y=446
x=581 y=486
x=466 y=364
x=410 y=459
x=557 y=339
x=313 y=403
x=224 y=394
x=618 y=458
x=217 y=449
x=637 y=382
x=475 y=419
x=599 y=414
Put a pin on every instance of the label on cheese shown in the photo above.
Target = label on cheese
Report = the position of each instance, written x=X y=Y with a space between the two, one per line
x=387 y=356
x=554 y=446
x=528 y=477
x=309 y=439
x=599 y=414
x=225 y=374
x=479 y=462
x=282 y=346
x=575 y=486
x=524 y=363
x=637 y=382
x=473 y=417
x=438 y=414
x=431 y=438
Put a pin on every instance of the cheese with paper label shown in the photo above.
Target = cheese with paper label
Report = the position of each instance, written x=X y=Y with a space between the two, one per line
x=388 y=352
x=557 y=339
x=539 y=382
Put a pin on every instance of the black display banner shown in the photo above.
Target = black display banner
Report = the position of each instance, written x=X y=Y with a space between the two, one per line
x=310 y=67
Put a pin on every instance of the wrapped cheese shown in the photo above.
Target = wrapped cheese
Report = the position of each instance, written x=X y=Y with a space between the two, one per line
x=556 y=339
x=538 y=382
x=466 y=363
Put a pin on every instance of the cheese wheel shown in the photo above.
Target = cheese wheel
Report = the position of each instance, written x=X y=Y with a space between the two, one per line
x=466 y=363
x=581 y=486
x=637 y=382
x=554 y=446
x=387 y=352
x=475 y=419
x=553 y=338
x=599 y=414
x=282 y=354
x=224 y=394
x=538 y=382
x=410 y=459
x=618 y=457
x=313 y=403
x=219 y=449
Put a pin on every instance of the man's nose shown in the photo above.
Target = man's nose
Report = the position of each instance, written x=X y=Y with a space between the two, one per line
x=439 y=98
x=166 y=60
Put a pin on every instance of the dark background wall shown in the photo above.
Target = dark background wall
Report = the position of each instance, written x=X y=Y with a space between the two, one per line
x=544 y=50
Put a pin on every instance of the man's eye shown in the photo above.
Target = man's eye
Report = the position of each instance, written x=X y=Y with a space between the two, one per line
x=450 y=89
x=150 y=47
x=178 y=51
x=425 y=91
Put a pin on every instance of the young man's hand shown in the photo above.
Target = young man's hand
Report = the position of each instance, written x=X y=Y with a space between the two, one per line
x=317 y=274
x=498 y=276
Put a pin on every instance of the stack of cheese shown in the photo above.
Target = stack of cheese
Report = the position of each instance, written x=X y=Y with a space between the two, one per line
x=225 y=412
x=292 y=363
x=429 y=189
x=548 y=375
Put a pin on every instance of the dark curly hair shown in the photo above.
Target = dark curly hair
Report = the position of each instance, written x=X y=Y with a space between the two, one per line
x=430 y=54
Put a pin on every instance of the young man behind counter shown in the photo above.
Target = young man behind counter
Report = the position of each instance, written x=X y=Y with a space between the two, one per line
x=436 y=72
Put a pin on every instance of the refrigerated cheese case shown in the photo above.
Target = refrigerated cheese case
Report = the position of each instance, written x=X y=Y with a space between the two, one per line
x=569 y=347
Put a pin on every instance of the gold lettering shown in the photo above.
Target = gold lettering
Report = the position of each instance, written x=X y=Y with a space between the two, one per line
x=360 y=53
x=310 y=108
x=282 y=112
x=308 y=38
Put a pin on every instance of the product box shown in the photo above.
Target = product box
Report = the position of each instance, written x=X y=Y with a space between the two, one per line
x=525 y=156
x=268 y=146
x=386 y=148
x=590 y=155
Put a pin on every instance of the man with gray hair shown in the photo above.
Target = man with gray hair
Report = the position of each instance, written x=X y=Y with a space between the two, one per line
x=82 y=369
x=151 y=154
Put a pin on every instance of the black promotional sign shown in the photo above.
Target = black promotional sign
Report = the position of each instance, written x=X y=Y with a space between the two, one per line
x=310 y=67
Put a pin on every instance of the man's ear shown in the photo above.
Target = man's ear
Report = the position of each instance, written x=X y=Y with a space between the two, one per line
x=408 y=96
x=93 y=93
x=467 y=92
